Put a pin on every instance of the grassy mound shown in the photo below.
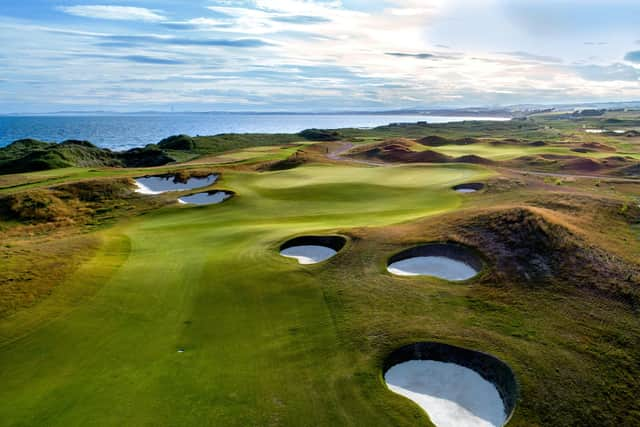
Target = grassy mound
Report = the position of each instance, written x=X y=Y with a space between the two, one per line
x=400 y=150
x=178 y=142
x=437 y=141
x=36 y=205
x=320 y=135
x=80 y=202
x=538 y=246
x=229 y=141
x=291 y=162
x=147 y=156
x=32 y=155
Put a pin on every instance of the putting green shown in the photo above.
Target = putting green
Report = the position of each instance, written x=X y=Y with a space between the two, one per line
x=261 y=347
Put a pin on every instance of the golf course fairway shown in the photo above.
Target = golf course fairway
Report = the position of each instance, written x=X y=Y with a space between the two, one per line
x=261 y=342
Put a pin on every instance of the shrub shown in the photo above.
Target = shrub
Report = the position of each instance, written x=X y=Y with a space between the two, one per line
x=36 y=205
x=320 y=135
x=178 y=142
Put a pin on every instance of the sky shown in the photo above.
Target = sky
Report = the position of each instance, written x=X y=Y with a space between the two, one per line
x=314 y=55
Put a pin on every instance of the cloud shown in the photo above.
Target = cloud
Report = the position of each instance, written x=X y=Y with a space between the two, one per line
x=138 y=59
x=633 y=56
x=141 y=59
x=300 y=19
x=298 y=7
x=318 y=54
x=608 y=73
x=527 y=56
x=133 y=40
x=118 y=13
x=412 y=55
x=411 y=11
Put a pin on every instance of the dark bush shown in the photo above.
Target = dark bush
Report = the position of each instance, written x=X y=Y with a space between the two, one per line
x=320 y=135
x=178 y=142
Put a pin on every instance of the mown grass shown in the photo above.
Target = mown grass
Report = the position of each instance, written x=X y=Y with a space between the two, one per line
x=269 y=342
x=256 y=327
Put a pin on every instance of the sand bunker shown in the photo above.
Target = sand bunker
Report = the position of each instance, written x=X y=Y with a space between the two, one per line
x=164 y=183
x=443 y=260
x=471 y=187
x=207 y=198
x=309 y=254
x=312 y=249
x=455 y=386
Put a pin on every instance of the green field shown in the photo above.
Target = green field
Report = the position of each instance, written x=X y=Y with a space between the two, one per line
x=261 y=343
x=98 y=298
x=509 y=152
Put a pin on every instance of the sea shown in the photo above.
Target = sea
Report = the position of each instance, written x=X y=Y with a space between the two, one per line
x=122 y=132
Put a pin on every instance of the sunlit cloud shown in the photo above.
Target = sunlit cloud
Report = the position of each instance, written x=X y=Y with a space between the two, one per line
x=320 y=55
x=120 y=13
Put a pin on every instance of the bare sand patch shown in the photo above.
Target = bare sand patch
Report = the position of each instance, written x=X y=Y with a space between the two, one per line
x=446 y=261
x=456 y=387
x=312 y=249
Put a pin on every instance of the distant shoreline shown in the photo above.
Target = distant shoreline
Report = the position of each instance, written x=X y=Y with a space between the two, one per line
x=436 y=113
x=121 y=132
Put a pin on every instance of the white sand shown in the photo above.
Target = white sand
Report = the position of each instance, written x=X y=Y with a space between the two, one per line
x=204 y=198
x=309 y=254
x=466 y=190
x=452 y=395
x=143 y=189
x=163 y=184
x=437 y=266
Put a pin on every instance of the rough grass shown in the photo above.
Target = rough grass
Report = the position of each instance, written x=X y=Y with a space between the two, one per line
x=32 y=155
x=270 y=342
x=227 y=142
x=33 y=267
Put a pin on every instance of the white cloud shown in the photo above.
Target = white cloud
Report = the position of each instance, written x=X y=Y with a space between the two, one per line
x=298 y=7
x=119 y=13
x=410 y=11
x=322 y=53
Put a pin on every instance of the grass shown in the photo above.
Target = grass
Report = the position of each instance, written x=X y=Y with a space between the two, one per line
x=248 y=156
x=210 y=280
x=508 y=152
x=269 y=342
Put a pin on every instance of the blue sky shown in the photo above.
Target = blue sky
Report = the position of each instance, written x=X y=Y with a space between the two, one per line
x=314 y=55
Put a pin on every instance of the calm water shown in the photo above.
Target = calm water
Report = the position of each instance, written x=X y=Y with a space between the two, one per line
x=121 y=132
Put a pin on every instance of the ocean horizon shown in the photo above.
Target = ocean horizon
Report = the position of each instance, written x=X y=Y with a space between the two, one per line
x=120 y=132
